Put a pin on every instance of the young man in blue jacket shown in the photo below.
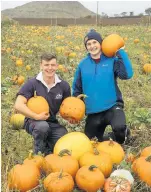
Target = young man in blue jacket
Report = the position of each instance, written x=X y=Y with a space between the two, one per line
x=96 y=77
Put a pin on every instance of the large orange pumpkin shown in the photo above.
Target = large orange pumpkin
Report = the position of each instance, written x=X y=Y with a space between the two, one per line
x=59 y=182
x=63 y=160
x=38 y=104
x=114 y=149
x=23 y=177
x=76 y=142
x=72 y=108
x=111 y=44
x=101 y=159
x=90 y=178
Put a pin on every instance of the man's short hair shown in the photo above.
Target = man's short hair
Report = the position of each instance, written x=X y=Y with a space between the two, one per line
x=47 y=57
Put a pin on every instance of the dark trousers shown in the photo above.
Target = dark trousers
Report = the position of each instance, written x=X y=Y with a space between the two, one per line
x=96 y=124
x=45 y=134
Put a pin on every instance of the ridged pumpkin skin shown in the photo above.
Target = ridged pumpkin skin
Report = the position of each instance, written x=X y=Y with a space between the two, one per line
x=54 y=183
x=55 y=163
x=114 y=149
x=89 y=179
x=142 y=167
x=38 y=104
x=23 y=177
x=102 y=160
x=76 y=142
x=111 y=44
x=17 y=121
x=72 y=108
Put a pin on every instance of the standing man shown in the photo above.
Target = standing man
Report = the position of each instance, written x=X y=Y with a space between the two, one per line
x=96 y=77
x=44 y=127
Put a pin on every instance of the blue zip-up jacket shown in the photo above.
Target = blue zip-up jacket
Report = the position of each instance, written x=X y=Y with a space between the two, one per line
x=99 y=81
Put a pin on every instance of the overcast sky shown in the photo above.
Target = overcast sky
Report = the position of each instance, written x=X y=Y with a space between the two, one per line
x=108 y=7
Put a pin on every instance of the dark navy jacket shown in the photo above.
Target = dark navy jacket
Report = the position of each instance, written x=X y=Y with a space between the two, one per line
x=99 y=81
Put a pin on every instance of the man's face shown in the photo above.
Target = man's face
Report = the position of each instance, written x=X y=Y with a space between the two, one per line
x=49 y=67
x=93 y=47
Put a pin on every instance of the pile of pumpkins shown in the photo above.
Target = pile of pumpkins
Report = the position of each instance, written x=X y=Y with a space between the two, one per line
x=78 y=161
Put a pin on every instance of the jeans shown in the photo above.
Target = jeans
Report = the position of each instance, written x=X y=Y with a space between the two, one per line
x=45 y=134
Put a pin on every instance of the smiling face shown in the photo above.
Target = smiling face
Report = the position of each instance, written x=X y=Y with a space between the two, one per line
x=94 y=48
x=49 y=67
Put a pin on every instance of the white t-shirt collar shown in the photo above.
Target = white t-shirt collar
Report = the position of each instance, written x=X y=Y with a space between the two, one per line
x=40 y=78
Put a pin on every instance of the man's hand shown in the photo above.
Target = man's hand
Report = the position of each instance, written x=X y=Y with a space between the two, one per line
x=42 y=116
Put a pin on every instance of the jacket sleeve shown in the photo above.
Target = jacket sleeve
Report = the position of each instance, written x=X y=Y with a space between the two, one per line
x=122 y=65
x=77 y=83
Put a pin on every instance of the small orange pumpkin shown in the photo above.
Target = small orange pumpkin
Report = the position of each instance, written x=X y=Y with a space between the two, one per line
x=147 y=68
x=38 y=104
x=111 y=44
x=20 y=80
x=38 y=160
x=101 y=159
x=146 y=152
x=63 y=160
x=142 y=167
x=90 y=178
x=23 y=177
x=59 y=182
x=114 y=149
x=117 y=184
x=73 y=108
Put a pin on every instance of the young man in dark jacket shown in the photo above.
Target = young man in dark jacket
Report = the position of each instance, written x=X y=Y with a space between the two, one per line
x=96 y=77
x=44 y=127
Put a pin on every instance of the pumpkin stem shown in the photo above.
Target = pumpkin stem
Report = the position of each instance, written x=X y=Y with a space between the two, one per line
x=92 y=167
x=62 y=152
x=81 y=95
x=111 y=142
x=35 y=95
x=30 y=156
x=60 y=174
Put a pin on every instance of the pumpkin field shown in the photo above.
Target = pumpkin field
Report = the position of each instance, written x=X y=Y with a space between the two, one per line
x=21 y=48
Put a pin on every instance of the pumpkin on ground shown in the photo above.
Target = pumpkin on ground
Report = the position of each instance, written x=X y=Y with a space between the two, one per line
x=64 y=161
x=20 y=80
x=147 y=68
x=23 y=177
x=73 y=108
x=38 y=160
x=146 y=152
x=117 y=184
x=38 y=104
x=111 y=44
x=142 y=167
x=90 y=178
x=17 y=121
x=114 y=149
x=76 y=142
x=101 y=159
x=59 y=182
